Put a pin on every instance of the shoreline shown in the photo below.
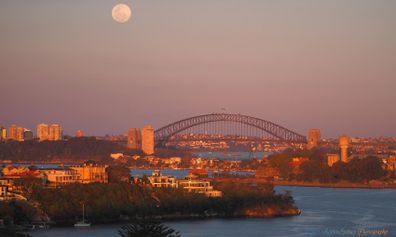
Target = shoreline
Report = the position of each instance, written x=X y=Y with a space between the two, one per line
x=178 y=218
x=334 y=185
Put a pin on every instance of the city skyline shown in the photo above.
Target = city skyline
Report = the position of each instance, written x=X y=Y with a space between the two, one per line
x=302 y=65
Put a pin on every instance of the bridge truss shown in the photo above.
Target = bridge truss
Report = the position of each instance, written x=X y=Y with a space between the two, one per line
x=222 y=126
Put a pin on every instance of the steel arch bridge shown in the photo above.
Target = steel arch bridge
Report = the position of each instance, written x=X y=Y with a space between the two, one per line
x=220 y=121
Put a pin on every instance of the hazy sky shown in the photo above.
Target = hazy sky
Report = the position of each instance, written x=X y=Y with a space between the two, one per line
x=299 y=63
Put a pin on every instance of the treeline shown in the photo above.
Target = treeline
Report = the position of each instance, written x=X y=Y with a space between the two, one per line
x=79 y=149
x=106 y=203
x=18 y=212
x=75 y=149
x=358 y=170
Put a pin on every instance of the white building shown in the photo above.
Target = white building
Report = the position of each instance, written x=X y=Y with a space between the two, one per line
x=192 y=184
x=157 y=180
x=61 y=176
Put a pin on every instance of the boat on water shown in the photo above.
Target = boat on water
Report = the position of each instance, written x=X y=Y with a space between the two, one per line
x=33 y=226
x=82 y=223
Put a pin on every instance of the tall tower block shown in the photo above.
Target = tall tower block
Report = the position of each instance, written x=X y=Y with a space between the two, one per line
x=134 y=139
x=313 y=138
x=55 y=132
x=344 y=145
x=12 y=132
x=42 y=132
x=148 y=140
x=20 y=134
x=3 y=134
x=79 y=133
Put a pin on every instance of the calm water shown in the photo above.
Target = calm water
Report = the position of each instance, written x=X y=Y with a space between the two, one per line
x=325 y=212
x=233 y=155
x=180 y=174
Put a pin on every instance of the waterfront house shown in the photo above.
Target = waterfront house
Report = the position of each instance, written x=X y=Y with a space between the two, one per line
x=9 y=191
x=91 y=172
x=191 y=183
x=61 y=176
x=157 y=180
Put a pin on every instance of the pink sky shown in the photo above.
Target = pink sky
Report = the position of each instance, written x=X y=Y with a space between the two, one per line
x=301 y=64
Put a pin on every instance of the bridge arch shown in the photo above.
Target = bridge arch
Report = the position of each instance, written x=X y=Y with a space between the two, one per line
x=162 y=135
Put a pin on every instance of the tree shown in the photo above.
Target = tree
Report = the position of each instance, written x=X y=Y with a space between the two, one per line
x=366 y=169
x=358 y=170
x=12 y=233
x=282 y=163
x=118 y=173
x=313 y=170
x=147 y=228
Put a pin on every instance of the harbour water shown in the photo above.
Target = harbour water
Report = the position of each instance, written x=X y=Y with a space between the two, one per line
x=233 y=155
x=180 y=174
x=325 y=212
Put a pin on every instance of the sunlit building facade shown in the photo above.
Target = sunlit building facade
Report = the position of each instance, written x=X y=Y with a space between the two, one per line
x=42 y=131
x=134 y=139
x=20 y=134
x=192 y=184
x=12 y=132
x=79 y=133
x=90 y=172
x=332 y=159
x=344 y=145
x=55 y=132
x=148 y=140
x=3 y=134
x=314 y=137
x=61 y=176
x=157 y=180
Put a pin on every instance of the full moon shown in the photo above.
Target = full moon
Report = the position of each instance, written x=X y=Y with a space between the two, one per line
x=121 y=13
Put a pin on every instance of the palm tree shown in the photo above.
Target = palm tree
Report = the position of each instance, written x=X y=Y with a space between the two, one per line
x=147 y=228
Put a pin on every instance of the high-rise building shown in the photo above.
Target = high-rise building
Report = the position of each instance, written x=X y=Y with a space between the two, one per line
x=12 y=132
x=344 y=145
x=27 y=135
x=313 y=138
x=55 y=132
x=42 y=132
x=134 y=139
x=3 y=134
x=332 y=159
x=20 y=136
x=148 y=140
x=79 y=133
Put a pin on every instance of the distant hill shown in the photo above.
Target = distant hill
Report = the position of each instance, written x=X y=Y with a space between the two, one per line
x=78 y=149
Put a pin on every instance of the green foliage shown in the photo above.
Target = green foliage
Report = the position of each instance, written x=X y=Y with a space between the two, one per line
x=109 y=202
x=118 y=173
x=17 y=212
x=252 y=164
x=103 y=202
x=356 y=170
x=314 y=170
x=147 y=228
x=238 y=196
x=226 y=174
x=359 y=170
x=28 y=184
x=7 y=232
x=282 y=162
